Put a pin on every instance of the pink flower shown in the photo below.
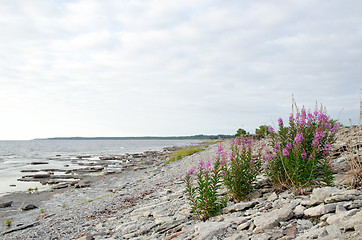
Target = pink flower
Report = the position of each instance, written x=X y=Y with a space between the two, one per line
x=280 y=121
x=191 y=171
x=220 y=149
x=285 y=153
x=327 y=148
x=201 y=164
x=270 y=129
x=288 y=146
x=298 y=138
x=304 y=154
x=208 y=165
x=291 y=119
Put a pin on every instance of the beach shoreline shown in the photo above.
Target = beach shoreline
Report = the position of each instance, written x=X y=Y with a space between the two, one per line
x=152 y=204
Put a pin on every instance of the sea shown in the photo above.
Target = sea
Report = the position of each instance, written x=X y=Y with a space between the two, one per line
x=17 y=156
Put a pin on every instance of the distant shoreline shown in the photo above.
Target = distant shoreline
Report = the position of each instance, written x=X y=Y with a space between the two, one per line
x=141 y=138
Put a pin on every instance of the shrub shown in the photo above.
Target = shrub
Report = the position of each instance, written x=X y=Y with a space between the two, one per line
x=205 y=199
x=262 y=130
x=301 y=151
x=241 y=168
x=240 y=132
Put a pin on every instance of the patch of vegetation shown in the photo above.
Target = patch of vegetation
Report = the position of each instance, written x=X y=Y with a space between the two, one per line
x=184 y=152
x=8 y=222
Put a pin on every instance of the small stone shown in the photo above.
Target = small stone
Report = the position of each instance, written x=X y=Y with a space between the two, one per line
x=240 y=206
x=320 y=210
x=341 y=215
x=6 y=204
x=28 y=207
x=45 y=175
x=303 y=224
x=291 y=231
x=273 y=218
x=258 y=230
x=333 y=231
x=299 y=211
x=323 y=193
x=244 y=225
x=310 y=202
x=272 y=197
x=60 y=186
x=340 y=208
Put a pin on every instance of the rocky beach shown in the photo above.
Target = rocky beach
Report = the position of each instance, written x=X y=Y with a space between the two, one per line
x=148 y=200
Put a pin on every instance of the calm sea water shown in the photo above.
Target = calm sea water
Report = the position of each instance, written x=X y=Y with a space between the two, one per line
x=18 y=155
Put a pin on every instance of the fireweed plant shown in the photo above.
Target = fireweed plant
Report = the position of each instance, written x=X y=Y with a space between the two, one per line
x=204 y=198
x=301 y=151
x=241 y=168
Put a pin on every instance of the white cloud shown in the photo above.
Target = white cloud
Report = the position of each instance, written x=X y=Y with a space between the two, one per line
x=118 y=68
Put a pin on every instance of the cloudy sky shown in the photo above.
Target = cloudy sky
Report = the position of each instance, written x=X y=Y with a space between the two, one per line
x=162 y=68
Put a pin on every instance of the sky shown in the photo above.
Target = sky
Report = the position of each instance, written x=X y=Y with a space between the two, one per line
x=168 y=68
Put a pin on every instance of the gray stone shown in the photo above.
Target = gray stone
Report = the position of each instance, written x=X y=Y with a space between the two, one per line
x=323 y=193
x=262 y=236
x=333 y=231
x=299 y=211
x=272 y=219
x=208 y=230
x=244 y=225
x=303 y=224
x=341 y=215
x=339 y=198
x=320 y=210
x=239 y=206
x=310 y=202
x=27 y=207
x=272 y=197
x=313 y=233
x=6 y=204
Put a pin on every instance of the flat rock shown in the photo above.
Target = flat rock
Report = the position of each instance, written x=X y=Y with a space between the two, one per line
x=320 y=194
x=6 y=204
x=320 y=210
x=28 y=207
x=38 y=163
x=272 y=219
x=60 y=186
x=209 y=230
x=240 y=206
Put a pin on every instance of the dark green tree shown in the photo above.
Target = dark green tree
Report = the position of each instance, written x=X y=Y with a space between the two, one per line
x=262 y=130
x=240 y=132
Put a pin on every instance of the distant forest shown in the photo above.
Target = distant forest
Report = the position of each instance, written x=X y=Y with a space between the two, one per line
x=201 y=136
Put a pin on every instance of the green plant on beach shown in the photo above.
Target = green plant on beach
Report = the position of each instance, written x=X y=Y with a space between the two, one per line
x=301 y=151
x=8 y=222
x=204 y=198
x=183 y=153
x=240 y=168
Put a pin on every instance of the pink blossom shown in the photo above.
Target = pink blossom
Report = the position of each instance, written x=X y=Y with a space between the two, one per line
x=291 y=119
x=201 y=164
x=304 y=154
x=208 y=165
x=270 y=129
x=288 y=146
x=298 y=138
x=191 y=171
x=220 y=149
x=285 y=153
x=280 y=121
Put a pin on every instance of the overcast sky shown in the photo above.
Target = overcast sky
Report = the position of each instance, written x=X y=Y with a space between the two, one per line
x=162 y=68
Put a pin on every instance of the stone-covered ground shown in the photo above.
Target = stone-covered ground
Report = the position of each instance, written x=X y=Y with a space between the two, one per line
x=151 y=204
